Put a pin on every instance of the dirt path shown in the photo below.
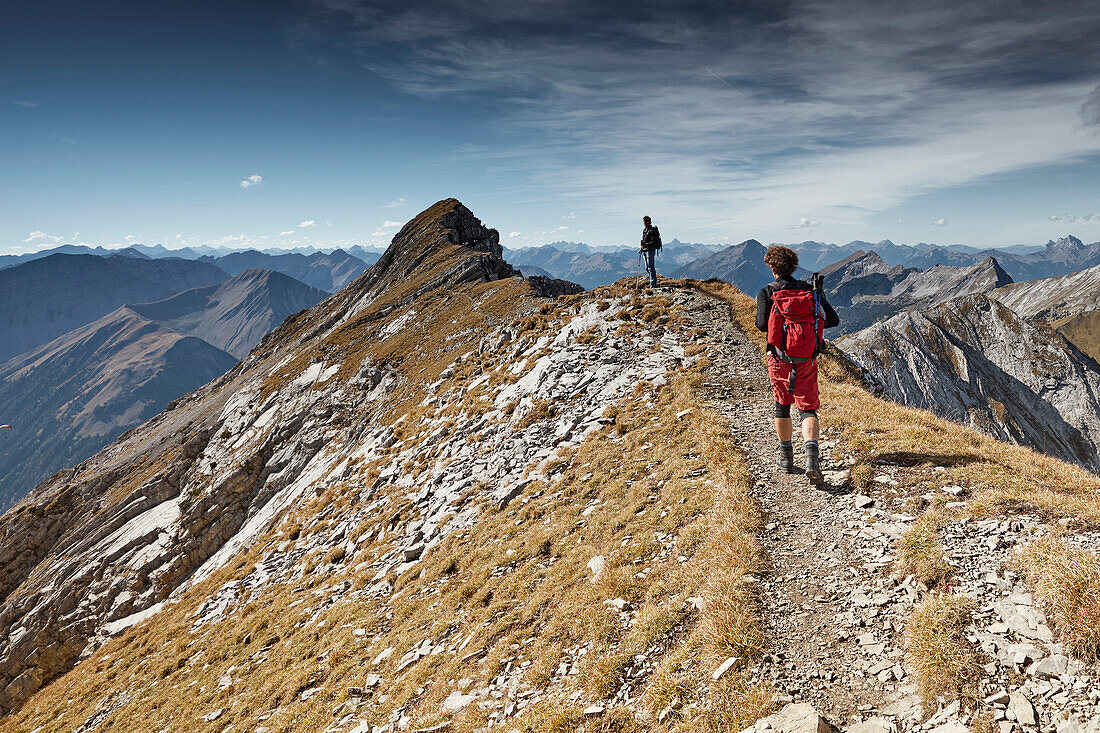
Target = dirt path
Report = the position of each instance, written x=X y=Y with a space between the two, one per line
x=832 y=610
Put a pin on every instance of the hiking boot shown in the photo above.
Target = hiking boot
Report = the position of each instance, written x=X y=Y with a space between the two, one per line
x=785 y=459
x=813 y=465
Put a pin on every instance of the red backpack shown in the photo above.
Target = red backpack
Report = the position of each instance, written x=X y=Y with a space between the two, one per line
x=794 y=327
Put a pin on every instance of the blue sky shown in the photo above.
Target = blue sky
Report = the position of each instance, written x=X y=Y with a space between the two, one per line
x=330 y=122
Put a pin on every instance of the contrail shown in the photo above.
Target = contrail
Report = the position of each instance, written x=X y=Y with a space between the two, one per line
x=731 y=86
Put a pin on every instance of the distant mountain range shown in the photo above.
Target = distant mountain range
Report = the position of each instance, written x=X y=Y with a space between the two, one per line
x=158 y=252
x=45 y=298
x=592 y=266
x=742 y=264
x=69 y=397
x=863 y=288
x=325 y=271
x=595 y=266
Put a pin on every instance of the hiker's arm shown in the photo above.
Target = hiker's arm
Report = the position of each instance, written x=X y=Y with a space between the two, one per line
x=831 y=318
x=763 y=309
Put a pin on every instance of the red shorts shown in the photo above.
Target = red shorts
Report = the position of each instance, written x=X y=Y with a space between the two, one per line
x=804 y=393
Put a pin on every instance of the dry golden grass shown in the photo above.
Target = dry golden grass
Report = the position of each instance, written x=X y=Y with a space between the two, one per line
x=1006 y=477
x=1066 y=580
x=945 y=663
x=921 y=554
x=515 y=584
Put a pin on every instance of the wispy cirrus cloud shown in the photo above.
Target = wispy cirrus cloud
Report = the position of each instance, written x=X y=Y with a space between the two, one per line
x=254 y=180
x=747 y=113
x=307 y=224
x=24 y=103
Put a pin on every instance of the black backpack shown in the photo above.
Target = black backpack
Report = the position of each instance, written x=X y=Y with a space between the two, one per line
x=655 y=238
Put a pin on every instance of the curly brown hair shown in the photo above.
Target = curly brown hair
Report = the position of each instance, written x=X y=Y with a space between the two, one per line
x=782 y=260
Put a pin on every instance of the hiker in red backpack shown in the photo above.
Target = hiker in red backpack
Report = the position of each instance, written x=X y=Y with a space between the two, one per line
x=794 y=314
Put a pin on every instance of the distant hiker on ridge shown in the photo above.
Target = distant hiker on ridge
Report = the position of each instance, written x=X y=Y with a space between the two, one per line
x=651 y=244
x=794 y=314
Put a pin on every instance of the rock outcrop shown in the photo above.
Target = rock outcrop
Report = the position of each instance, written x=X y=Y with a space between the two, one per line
x=1053 y=297
x=974 y=361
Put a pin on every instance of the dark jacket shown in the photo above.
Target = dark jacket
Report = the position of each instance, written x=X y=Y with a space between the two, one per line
x=764 y=302
x=651 y=238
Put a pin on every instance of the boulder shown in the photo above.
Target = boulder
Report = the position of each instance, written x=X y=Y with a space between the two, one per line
x=794 y=718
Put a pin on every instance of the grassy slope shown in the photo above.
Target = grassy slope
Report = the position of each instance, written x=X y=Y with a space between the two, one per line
x=512 y=584
x=659 y=484
x=1003 y=479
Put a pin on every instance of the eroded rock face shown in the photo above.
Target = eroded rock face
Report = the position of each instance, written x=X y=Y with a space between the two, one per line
x=972 y=360
x=100 y=547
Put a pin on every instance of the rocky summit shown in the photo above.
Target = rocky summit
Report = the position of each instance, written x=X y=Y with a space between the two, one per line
x=450 y=497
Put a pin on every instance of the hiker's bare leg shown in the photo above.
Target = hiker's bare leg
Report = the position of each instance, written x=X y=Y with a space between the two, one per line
x=811 y=428
x=783 y=428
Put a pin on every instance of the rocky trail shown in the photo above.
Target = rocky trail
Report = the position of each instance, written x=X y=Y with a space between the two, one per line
x=833 y=607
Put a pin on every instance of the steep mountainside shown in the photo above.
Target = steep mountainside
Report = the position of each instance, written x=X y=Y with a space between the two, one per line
x=974 y=361
x=1053 y=297
x=70 y=397
x=864 y=288
x=1083 y=331
x=328 y=272
x=442 y=500
x=44 y=298
x=236 y=314
x=740 y=264
x=73 y=395
x=166 y=498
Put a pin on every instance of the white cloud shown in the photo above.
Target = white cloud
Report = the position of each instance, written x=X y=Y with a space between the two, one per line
x=570 y=215
x=25 y=103
x=562 y=228
x=940 y=222
x=307 y=224
x=328 y=223
x=1071 y=218
x=287 y=232
x=395 y=203
x=513 y=235
x=253 y=180
x=387 y=228
x=805 y=223
x=39 y=235
x=131 y=239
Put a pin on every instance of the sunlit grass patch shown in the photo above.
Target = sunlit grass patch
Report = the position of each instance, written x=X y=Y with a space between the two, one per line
x=921 y=553
x=945 y=663
x=1066 y=580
